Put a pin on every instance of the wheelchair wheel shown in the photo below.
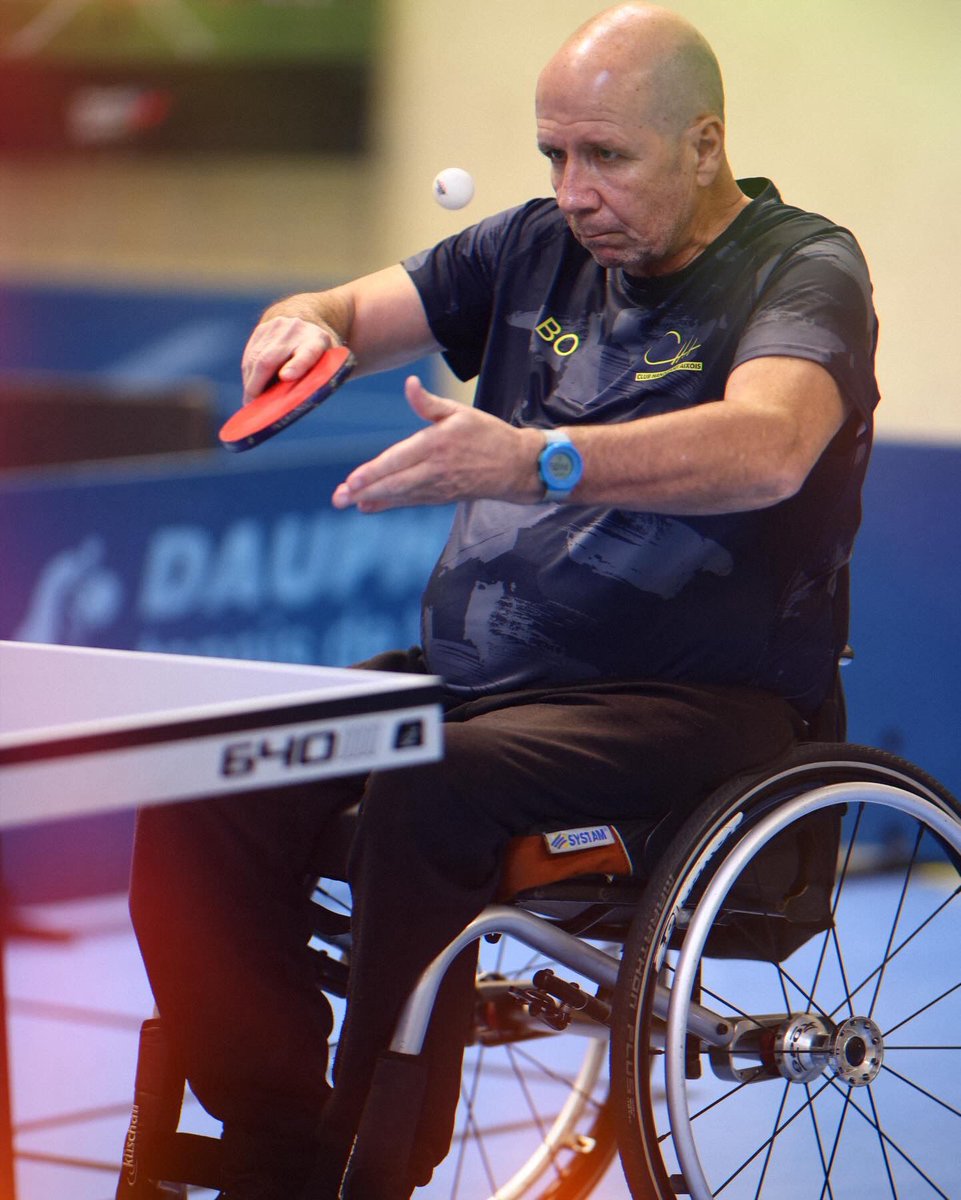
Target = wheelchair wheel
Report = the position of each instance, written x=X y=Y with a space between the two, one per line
x=534 y=1120
x=798 y=1042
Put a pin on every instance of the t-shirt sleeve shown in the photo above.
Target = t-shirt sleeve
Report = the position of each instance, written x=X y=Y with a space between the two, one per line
x=817 y=305
x=455 y=283
x=458 y=279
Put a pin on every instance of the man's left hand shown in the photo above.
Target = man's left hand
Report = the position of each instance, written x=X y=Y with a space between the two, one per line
x=462 y=454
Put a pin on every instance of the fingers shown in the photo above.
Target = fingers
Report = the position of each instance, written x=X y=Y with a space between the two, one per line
x=428 y=406
x=409 y=472
x=386 y=481
x=284 y=347
x=461 y=454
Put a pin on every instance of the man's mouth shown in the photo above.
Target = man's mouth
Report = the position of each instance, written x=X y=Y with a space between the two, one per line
x=597 y=235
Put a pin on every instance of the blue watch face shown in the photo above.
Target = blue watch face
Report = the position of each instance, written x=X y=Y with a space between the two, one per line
x=560 y=466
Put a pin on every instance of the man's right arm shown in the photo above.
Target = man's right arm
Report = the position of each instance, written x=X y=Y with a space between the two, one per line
x=380 y=317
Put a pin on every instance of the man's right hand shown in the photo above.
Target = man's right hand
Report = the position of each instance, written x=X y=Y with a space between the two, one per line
x=284 y=347
x=379 y=316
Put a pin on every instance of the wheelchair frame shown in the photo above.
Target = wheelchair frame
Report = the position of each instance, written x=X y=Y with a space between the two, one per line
x=662 y=1033
x=803 y=1048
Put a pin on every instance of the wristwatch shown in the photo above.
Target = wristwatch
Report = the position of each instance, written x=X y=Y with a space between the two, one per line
x=559 y=465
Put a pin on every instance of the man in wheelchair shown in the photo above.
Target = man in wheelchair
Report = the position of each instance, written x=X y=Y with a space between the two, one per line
x=642 y=594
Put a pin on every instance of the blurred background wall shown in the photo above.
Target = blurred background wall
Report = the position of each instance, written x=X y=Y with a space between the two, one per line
x=131 y=275
x=850 y=108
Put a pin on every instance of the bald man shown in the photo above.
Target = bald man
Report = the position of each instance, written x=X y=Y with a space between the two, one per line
x=643 y=593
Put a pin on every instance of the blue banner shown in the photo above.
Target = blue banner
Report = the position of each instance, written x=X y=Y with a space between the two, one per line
x=206 y=554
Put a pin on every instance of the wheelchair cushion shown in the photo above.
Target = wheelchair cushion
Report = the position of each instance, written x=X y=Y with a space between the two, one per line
x=537 y=859
x=780 y=901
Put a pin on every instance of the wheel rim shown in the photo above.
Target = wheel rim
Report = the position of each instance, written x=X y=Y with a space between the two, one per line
x=849 y=1027
x=532 y=1122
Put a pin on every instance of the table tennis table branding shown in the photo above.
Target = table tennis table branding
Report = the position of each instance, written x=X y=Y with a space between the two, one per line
x=236 y=564
x=354 y=740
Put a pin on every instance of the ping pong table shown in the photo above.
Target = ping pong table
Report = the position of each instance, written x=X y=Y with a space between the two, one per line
x=85 y=730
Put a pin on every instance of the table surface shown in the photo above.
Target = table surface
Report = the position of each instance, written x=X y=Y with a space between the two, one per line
x=85 y=729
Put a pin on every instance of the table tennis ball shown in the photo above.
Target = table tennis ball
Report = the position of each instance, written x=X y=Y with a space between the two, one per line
x=453 y=188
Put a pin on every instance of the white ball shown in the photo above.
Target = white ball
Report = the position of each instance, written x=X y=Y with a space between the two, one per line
x=453 y=188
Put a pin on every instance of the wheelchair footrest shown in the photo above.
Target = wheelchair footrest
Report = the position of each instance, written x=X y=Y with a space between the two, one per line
x=187 y=1158
x=154 y=1151
x=183 y=1158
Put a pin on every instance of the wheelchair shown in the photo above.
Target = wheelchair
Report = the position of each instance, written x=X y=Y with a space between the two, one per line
x=754 y=1000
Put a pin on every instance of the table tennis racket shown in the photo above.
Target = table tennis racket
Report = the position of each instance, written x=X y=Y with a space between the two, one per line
x=285 y=401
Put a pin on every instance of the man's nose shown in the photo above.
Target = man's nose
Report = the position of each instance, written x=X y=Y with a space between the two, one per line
x=574 y=189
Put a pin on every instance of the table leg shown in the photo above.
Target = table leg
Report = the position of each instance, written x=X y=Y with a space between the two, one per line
x=6 y=1117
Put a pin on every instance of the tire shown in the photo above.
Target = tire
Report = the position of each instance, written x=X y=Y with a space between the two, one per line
x=843 y=1076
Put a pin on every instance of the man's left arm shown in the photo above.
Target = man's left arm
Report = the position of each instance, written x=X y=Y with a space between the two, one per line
x=750 y=449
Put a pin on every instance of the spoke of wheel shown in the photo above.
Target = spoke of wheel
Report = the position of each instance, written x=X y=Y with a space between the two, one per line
x=770 y=1148
x=842 y=877
x=766 y=946
x=844 y=975
x=924 y=1008
x=714 y=1104
x=554 y=1076
x=884 y=1149
x=897 y=919
x=542 y=1131
x=836 y=1143
x=528 y=1098
x=747 y=1162
x=906 y=1046
x=890 y=1141
x=470 y=1124
x=922 y=1091
x=725 y=1003
x=523 y=971
x=782 y=976
x=807 y=997
x=894 y=953
x=826 y=1167
x=334 y=900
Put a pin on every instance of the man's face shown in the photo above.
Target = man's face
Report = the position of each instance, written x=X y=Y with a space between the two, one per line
x=629 y=190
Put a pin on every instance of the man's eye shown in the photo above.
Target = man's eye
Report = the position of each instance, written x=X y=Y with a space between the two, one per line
x=606 y=155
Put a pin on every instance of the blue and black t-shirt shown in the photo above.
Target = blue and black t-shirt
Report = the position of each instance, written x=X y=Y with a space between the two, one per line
x=532 y=595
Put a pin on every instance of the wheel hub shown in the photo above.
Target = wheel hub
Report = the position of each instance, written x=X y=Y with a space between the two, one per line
x=800 y=1048
x=807 y=1045
x=857 y=1051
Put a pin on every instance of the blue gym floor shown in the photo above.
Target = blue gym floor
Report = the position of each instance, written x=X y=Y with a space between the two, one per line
x=76 y=999
x=77 y=995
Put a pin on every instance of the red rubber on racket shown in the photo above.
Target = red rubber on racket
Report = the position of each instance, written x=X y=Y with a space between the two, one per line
x=286 y=401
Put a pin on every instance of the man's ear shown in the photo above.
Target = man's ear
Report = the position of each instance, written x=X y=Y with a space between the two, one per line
x=707 y=139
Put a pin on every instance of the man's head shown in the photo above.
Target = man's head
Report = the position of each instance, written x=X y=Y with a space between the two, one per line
x=630 y=112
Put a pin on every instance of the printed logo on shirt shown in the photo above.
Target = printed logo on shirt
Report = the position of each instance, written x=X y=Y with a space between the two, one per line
x=566 y=840
x=561 y=341
x=672 y=353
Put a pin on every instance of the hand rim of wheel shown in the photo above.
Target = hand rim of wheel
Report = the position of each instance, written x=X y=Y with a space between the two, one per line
x=925 y=809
